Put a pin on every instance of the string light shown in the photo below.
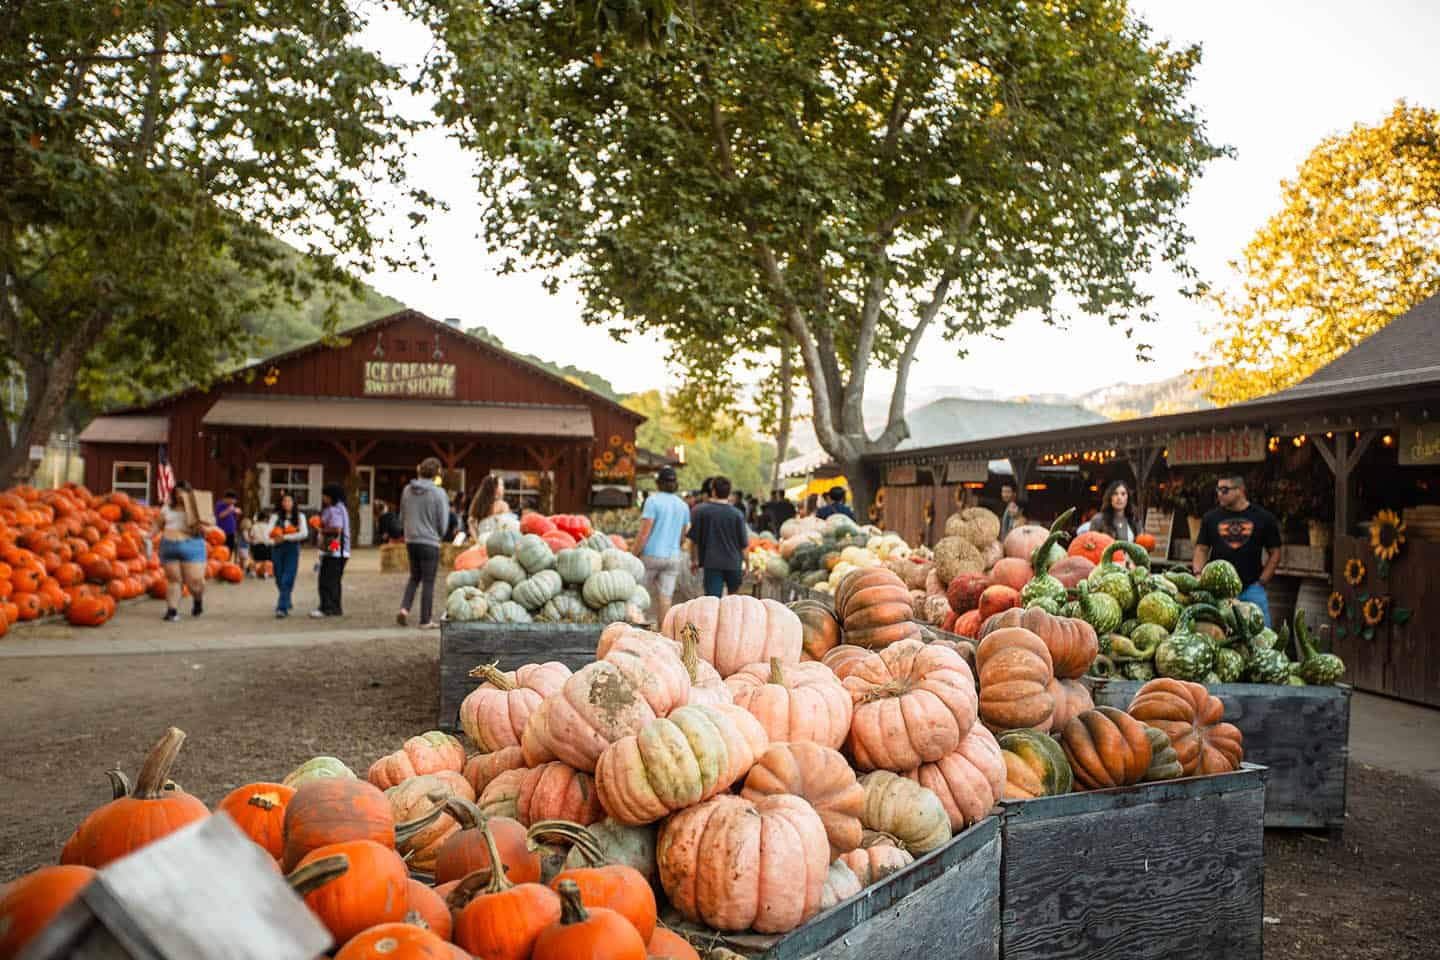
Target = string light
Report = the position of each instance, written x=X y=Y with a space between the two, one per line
x=1388 y=440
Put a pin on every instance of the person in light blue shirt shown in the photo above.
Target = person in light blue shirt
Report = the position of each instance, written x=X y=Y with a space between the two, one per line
x=663 y=523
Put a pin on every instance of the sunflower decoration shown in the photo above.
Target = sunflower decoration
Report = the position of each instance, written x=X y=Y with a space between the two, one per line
x=616 y=439
x=272 y=376
x=880 y=498
x=1387 y=534
x=1336 y=606
x=598 y=464
x=1374 y=611
x=874 y=513
x=929 y=514
x=959 y=495
x=1354 y=571
x=629 y=449
x=608 y=456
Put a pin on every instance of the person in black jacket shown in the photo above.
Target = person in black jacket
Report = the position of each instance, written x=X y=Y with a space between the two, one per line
x=718 y=537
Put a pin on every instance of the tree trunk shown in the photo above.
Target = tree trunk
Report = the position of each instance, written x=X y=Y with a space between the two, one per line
x=787 y=409
x=863 y=484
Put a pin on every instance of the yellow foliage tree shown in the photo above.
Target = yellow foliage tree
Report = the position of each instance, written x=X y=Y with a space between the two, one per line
x=1355 y=244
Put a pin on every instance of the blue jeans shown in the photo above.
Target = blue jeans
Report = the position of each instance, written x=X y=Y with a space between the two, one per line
x=717 y=580
x=1255 y=593
x=286 y=557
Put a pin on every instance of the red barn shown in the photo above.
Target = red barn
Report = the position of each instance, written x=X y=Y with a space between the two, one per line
x=399 y=389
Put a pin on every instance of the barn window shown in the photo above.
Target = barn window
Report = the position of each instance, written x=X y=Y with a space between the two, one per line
x=298 y=480
x=399 y=345
x=131 y=478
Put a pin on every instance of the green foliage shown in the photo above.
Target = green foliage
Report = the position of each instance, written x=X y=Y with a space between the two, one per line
x=843 y=175
x=149 y=153
x=737 y=455
x=1353 y=246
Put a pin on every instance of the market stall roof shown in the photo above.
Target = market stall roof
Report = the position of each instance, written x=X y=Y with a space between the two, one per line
x=401 y=416
x=1391 y=375
x=126 y=430
x=960 y=419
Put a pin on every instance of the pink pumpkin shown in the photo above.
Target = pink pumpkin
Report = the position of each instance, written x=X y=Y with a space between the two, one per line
x=1013 y=572
x=493 y=715
x=794 y=702
x=652 y=664
x=431 y=752
x=738 y=630
x=968 y=780
x=1024 y=540
x=597 y=706
x=1072 y=570
x=914 y=703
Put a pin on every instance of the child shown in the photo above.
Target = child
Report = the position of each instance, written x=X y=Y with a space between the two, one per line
x=243 y=545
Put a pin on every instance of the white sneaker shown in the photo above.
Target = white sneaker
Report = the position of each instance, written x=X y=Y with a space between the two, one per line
x=318 y=614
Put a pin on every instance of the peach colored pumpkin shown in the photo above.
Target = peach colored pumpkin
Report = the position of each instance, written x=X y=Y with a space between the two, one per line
x=842 y=659
x=413 y=799
x=1015 y=672
x=794 y=702
x=737 y=629
x=502 y=795
x=597 y=706
x=1023 y=540
x=1072 y=570
x=876 y=862
x=493 y=715
x=555 y=791
x=1106 y=748
x=428 y=753
x=819 y=776
x=484 y=767
x=968 y=781
x=707 y=687
x=1071 y=641
x=1013 y=572
x=914 y=703
x=678 y=761
x=875 y=608
x=840 y=884
x=652 y=664
x=1072 y=698
x=734 y=864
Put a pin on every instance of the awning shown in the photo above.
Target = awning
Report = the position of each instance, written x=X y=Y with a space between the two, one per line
x=342 y=414
x=127 y=430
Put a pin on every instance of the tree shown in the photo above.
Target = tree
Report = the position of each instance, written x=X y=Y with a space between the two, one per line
x=1356 y=243
x=148 y=152
x=733 y=452
x=843 y=175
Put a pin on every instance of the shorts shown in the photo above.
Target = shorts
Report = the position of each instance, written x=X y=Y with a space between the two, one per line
x=183 y=551
x=663 y=573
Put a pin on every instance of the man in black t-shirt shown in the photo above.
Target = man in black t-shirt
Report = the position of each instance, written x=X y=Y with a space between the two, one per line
x=718 y=537
x=1238 y=531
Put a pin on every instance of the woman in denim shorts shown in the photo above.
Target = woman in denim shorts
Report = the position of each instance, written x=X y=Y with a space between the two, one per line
x=183 y=554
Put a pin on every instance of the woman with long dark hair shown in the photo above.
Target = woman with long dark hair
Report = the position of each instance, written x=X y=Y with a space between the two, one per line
x=487 y=502
x=1116 y=516
x=182 y=551
x=334 y=548
x=287 y=531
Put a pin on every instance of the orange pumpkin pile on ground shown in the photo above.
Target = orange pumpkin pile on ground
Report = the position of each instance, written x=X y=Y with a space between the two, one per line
x=643 y=778
x=68 y=552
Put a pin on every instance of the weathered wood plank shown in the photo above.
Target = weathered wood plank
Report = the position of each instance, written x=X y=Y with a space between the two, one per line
x=1170 y=870
x=1300 y=734
x=464 y=646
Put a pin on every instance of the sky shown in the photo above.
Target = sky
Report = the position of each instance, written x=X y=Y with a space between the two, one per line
x=1277 y=76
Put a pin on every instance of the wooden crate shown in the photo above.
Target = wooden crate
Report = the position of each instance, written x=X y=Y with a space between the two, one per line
x=787 y=590
x=1170 y=870
x=1300 y=734
x=465 y=646
x=944 y=905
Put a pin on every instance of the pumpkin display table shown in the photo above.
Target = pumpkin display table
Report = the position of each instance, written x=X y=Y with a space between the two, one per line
x=467 y=645
x=945 y=904
x=1300 y=734
x=1171 y=869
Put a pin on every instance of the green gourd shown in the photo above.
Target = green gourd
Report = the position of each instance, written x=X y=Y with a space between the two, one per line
x=1100 y=610
x=1321 y=669
x=506 y=568
x=577 y=565
x=1220 y=578
x=534 y=592
x=534 y=554
x=608 y=586
x=1042 y=586
x=465 y=604
x=1164 y=762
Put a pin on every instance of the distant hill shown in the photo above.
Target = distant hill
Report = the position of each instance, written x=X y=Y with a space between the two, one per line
x=1126 y=401
x=577 y=376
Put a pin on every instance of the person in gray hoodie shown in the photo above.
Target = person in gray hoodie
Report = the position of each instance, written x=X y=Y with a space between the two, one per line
x=424 y=511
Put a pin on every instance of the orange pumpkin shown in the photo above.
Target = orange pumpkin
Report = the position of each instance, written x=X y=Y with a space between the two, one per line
x=371 y=891
x=1090 y=545
x=27 y=905
x=587 y=933
x=1192 y=718
x=504 y=920
x=215 y=536
x=1071 y=641
x=331 y=810
x=1106 y=748
x=428 y=753
x=1013 y=572
x=466 y=850
x=968 y=624
x=1015 y=672
x=259 y=810
x=150 y=812
x=997 y=598
x=557 y=791
x=914 y=703
x=874 y=608
x=231 y=572
x=613 y=886
x=1145 y=540
x=396 y=941
x=417 y=797
x=431 y=907
x=667 y=944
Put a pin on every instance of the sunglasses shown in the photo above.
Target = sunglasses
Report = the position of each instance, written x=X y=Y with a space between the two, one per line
x=1221 y=488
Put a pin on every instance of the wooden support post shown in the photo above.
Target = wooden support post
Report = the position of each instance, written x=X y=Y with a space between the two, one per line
x=1342 y=461
x=1142 y=462
x=1021 y=467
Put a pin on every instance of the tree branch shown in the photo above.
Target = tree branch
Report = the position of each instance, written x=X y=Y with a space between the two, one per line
x=126 y=58
x=152 y=98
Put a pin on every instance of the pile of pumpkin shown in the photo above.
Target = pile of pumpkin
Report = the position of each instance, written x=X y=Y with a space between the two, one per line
x=67 y=551
x=744 y=742
x=1175 y=624
x=818 y=554
x=519 y=575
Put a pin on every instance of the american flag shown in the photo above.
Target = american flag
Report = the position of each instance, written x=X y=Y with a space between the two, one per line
x=164 y=478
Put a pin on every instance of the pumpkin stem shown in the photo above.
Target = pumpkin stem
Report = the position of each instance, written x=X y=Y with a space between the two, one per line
x=573 y=833
x=150 y=784
x=493 y=675
x=463 y=812
x=119 y=784
x=690 y=651
x=466 y=889
x=499 y=883
x=571 y=909
x=316 y=874
x=404 y=831
x=265 y=801
x=879 y=838
x=894 y=688
x=777 y=674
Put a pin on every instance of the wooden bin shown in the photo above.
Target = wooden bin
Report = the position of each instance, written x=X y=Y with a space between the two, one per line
x=1301 y=734
x=465 y=646
x=1168 y=870
x=786 y=590
x=944 y=905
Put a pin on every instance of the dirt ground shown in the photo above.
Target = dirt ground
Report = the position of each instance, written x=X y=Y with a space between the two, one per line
x=255 y=713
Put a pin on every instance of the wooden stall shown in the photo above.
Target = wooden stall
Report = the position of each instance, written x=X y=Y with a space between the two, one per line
x=1170 y=870
x=1301 y=735
x=1394 y=658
